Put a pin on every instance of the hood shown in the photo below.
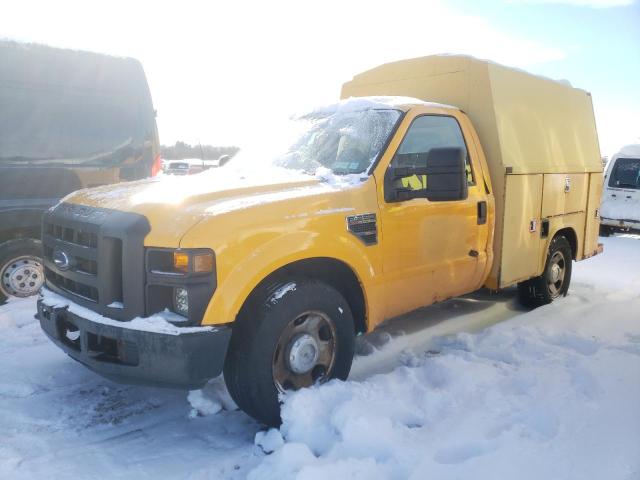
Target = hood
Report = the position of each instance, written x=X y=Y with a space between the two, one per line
x=174 y=204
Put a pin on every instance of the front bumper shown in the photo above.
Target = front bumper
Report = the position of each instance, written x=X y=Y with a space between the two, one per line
x=126 y=355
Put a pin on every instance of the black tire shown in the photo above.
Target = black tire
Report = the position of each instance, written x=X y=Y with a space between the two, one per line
x=542 y=290
x=251 y=367
x=15 y=250
x=606 y=231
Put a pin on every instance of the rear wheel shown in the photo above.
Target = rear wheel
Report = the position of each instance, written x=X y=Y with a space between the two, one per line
x=21 y=268
x=555 y=279
x=606 y=231
x=289 y=336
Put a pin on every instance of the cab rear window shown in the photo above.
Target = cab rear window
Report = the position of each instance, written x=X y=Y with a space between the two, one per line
x=626 y=173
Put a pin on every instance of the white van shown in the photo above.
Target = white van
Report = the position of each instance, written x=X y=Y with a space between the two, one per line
x=620 y=209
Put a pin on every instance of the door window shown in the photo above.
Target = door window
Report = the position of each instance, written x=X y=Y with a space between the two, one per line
x=427 y=132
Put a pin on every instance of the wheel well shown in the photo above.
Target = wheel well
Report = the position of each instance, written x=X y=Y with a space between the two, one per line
x=331 y=271
x=571 y=237
x=16 y=233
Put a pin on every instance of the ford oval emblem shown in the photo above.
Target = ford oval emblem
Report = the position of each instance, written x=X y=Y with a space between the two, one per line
x=61 y=260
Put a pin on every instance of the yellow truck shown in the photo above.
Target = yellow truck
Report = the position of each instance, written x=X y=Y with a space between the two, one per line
x=381 y=205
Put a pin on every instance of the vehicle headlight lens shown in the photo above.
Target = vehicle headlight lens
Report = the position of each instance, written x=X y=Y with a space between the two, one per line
x=203 y=263
x=181 y=301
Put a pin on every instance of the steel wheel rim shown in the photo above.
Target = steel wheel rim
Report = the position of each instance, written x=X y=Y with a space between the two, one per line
x=295 y=364
x=22 y=276
x=557 y=272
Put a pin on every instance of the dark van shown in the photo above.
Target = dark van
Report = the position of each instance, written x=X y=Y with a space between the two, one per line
x=68 y=120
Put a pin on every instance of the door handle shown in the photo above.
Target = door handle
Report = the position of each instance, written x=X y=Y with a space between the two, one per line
x=482 y=212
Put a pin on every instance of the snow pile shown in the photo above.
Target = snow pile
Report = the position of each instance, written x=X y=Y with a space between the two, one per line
x=553 y=393
x=211 y=399
x=269 y=441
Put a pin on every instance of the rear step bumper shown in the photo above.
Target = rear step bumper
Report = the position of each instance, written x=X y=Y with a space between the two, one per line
x=126 y=355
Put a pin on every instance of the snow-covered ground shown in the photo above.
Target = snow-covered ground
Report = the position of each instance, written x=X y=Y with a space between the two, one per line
x=472 y=388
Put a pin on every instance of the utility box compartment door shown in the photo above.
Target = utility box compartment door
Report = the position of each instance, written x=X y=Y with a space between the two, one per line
x=521 y=240
x=565 y=193
x=592 y=224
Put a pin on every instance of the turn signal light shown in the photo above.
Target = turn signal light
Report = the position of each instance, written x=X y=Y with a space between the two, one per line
x=181 y=261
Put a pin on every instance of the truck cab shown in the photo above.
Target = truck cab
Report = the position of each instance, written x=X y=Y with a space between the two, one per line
x=621 y=197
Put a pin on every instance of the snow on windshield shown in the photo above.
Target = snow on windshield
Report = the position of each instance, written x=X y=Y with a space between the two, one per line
x=345 y=138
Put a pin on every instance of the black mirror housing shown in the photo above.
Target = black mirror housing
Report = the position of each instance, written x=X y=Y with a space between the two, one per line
x=445 y=169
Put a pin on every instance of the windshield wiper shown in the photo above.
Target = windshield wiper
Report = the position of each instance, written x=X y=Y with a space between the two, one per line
x=627 y=185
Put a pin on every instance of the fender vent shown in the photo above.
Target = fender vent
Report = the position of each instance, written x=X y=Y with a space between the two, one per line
x=364 y=227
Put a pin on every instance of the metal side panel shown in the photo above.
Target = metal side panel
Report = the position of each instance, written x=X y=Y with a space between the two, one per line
x=521 y=243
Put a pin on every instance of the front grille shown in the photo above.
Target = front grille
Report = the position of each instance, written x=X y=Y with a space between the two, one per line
x=100 y=258
x=79 y=245
x=71 y=235
x=71 y=286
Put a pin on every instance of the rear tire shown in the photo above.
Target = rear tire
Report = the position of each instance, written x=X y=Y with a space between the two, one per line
x=555 y=279
x=21 y=268
x=606 y=231
x=287 y=336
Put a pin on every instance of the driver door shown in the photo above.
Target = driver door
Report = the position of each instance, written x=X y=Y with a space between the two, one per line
x=432 y=250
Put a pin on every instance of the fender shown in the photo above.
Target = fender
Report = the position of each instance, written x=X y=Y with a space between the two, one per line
x=238 y=277
x=23 y=216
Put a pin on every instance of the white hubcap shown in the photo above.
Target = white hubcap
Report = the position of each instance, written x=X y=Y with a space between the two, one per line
x=22 y=277
x=303 y=354
x=555 y=272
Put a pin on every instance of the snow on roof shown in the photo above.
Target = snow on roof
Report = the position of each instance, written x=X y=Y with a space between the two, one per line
x=633 y=149
x=358 y=104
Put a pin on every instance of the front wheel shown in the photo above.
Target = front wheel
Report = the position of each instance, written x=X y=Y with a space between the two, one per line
x=21 y=269
x=555 y=279
x=289 y=336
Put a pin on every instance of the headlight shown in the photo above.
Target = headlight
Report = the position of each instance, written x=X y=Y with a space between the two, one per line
x=194 y=262
x=181 y=301
x=181 y=280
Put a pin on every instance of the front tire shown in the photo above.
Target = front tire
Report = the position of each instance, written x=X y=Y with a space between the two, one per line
x=555 y=279
x=289 y=335
x=21 y=268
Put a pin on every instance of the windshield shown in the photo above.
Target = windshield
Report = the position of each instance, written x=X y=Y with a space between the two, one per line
x=626 y=173
x=345 y=142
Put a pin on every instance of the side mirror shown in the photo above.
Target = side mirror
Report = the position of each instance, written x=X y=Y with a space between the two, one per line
x=443 y=168
x=447 y=174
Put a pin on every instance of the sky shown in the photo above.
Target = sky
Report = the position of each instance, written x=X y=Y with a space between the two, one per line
x=217 y=70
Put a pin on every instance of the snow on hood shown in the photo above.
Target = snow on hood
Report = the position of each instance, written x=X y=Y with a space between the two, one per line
x=214 y=185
